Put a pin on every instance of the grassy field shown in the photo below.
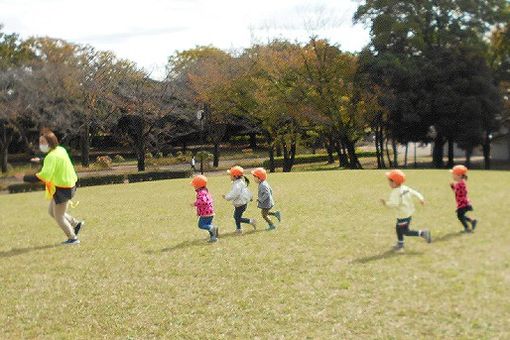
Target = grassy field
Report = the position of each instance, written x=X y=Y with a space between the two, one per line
x=144 y=270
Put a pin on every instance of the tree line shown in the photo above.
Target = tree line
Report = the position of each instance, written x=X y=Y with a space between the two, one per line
x=434 y=71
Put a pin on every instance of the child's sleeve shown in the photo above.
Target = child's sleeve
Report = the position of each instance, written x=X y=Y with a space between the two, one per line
x=416 y=194
x=233 y=194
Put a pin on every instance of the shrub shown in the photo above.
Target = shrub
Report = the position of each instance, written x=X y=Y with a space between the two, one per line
x=25 y=187
x=307 y=159
x=104 y=162
x=157 y=175
x=119 y=159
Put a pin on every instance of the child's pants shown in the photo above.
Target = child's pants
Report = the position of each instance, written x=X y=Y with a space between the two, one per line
x=205 y=222
x=265 y=215
x=461 y=215
x=65 y=221
x=403 y=229
x=238 y=216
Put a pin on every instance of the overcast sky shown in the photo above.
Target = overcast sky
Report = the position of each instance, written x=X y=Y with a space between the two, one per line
x=149 y=31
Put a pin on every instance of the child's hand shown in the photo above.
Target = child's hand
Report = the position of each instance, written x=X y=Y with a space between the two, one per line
x=383 y=201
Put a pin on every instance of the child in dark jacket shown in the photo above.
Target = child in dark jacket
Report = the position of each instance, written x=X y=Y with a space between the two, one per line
x=265 y=197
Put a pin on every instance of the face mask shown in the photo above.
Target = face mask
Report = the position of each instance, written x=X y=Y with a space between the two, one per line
x=44 y=148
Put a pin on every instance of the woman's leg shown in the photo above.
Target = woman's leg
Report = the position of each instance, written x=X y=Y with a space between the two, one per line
x=60 y=217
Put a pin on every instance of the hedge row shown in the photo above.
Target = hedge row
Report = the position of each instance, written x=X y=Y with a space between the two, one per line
x=317 y=158
x=106 y=180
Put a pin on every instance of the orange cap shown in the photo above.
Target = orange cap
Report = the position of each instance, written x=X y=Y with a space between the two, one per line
x=396 y=176
x=199 y=181
x=459 y=170
x=236 y=171
x=260 y=173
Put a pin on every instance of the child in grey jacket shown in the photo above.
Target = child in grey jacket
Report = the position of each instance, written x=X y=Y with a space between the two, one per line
x=240 y=196
x=265 y=197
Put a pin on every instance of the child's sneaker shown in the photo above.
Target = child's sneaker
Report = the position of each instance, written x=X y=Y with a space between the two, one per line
x=213 y=239
x=426 y=235
x=215 y=231
x=278 y=216
x=473 y=225
x=398 y=246
x=271 y=227
x=239 y=231
x=71 y=242
x=78 y=227
x=253 y=223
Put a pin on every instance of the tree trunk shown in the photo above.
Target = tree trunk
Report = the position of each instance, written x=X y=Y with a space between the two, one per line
x=330 y=148
x=272 y=167
x=388 y=154
x=5 y=141
x=487 y=151
x=253 y=141
x=451 y=154
x=216 y=154
x=394 y=146
x=469 y=153
x=381 y=147
x=85 y=146
x=140 y=155
x=437 y=152
x=288 y=156
x=278 y=150
x=405 y=155
x=353 y=157
x=184 y=146
x=343 y=161
x=3 y=155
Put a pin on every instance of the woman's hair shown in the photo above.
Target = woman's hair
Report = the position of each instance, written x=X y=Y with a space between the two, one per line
x=50 y=137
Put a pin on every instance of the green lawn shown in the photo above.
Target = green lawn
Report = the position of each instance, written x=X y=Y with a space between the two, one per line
x=144 y=270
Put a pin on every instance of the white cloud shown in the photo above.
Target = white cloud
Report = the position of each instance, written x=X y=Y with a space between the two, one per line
x=149 y=31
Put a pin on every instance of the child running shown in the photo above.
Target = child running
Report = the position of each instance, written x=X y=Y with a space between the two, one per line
x=401 y=199
x=265 y=197
x=240 y=195
x=459 y=174
x=204 y=206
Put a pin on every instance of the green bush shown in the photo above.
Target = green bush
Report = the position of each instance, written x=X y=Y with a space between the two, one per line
x=101 y=180
x=119 y=159
x=157 y=175
x=307 y=159
x=106 y=180
x=25 y=187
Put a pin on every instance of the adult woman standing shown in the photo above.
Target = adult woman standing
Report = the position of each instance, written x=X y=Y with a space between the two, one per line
x=60 y=179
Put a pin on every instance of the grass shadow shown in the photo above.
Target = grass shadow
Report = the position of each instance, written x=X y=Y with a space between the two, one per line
x=448 y=237
x=385 y=255
x=202 y=242
x=21 y=251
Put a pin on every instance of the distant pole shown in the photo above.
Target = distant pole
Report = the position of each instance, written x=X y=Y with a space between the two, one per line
x=200 y=118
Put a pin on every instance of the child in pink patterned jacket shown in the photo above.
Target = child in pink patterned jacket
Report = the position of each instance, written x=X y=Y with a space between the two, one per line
x=204 y=206
x=459 y=174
